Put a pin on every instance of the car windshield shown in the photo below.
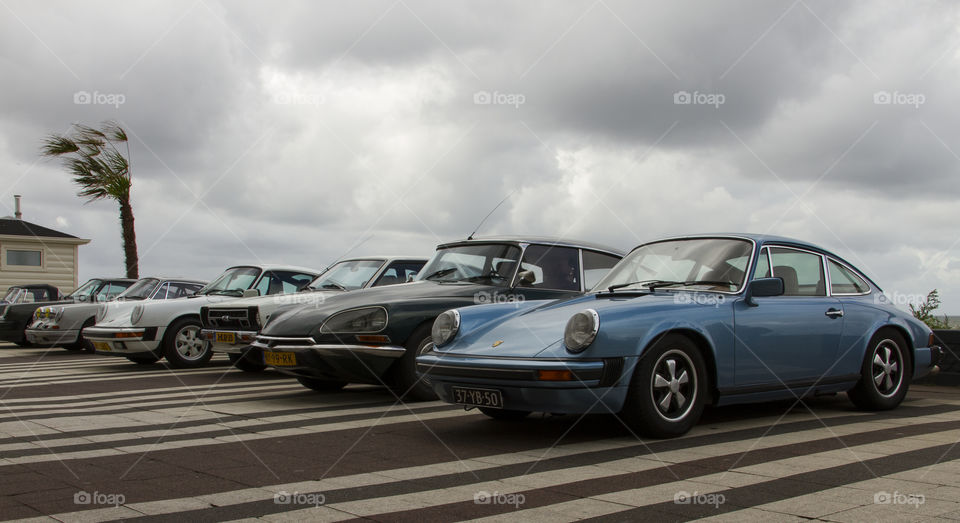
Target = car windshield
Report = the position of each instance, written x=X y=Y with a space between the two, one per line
x=85 y=290
x=13 y=293
x=346 y=275
x=716 y=263
x=233 y=281
x=140 y=290
x=492 y=263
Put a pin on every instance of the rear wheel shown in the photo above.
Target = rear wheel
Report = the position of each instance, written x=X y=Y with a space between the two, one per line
x=504 y=414
x=321 y=384
x=403 y=378
x=884 y=375
x=666 y=395
x=246 y=363
x=182 y=345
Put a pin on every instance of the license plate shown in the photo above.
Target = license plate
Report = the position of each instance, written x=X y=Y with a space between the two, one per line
x=280 y=359
x=102 y=345
x=226 y=337
x=478 y=397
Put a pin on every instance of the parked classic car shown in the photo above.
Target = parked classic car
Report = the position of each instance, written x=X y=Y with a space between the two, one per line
x=373 y=335
x=144 y=332
x=681 y=323
x=14 y=318
x=61 y=325
x=232 y=326
x=30 y=293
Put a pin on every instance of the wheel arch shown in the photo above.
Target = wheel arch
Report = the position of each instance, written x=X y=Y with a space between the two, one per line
x=903 y=332
x=703 y=344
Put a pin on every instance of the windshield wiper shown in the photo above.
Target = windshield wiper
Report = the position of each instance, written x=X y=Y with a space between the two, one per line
x=691 y=282
x=333 y=285
x=228 y=292
x=441 y=272
x=646 y=283
x=486 y=276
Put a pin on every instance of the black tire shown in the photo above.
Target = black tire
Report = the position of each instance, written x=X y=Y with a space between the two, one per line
x=245 y=363
x=403 y=377
x=24 y=343
x=668 y=390
x=886 y=360
x=504 y=414
x=182 y=346
x=321 y=385
x=144 y=360
x=83 y=343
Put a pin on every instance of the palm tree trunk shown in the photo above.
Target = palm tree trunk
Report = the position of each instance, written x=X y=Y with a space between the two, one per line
x=129 y=238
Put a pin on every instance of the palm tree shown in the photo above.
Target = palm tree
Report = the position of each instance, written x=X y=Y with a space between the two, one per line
x=97 y=166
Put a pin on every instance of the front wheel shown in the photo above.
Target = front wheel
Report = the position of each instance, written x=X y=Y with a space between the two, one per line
x=403 y=379
x=321 y=385
x=666 y=395
x=884 y=375
x=182 y=345
x=245 y=363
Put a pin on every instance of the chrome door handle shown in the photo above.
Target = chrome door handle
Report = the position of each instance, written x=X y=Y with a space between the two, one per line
x=834 y=313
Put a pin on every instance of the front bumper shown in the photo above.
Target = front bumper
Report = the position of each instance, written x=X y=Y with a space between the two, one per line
x=228 y=341
x=49 y=336
x=122 y=341
x=351 y=362
x=537 y=385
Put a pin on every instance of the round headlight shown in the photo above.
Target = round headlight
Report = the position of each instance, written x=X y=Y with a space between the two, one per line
x=136 y=314
x=445 y=327
x=581 y=330
x=369 y=319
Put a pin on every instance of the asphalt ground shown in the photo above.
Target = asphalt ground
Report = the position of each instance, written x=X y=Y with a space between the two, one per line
x=95 y=438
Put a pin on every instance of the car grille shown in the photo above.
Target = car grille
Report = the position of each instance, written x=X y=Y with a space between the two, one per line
x=242 y=319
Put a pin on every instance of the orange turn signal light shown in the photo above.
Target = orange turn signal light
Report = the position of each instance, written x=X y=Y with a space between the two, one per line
x=128 y=335
x=373 y=338
x=555 y=375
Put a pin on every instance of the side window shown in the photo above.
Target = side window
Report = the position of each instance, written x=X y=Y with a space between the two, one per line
x=398 y=272
x=281 y=282
x=845 y=281
x=802 y=272
x=596 y=266
x=553 y=267
x=763 y=265
x=109 y=291
x=163 y=292
x=188 y=289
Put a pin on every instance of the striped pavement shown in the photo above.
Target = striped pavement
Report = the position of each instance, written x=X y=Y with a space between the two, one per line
x=91 y=438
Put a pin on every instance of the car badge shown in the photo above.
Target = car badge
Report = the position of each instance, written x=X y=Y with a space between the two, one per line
x=497 y=343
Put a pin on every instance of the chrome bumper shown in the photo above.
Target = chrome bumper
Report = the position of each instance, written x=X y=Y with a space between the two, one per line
x=276 y=343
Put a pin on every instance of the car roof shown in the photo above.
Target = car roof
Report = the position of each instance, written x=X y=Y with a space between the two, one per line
x=385 y=258
x=545 y=240
x=275 y=267
x=175 y=278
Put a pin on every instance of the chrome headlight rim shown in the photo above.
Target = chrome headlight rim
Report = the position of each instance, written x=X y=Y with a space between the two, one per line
x=329 y=326
x=449 y=320
x=581 y=330
x=136 y=314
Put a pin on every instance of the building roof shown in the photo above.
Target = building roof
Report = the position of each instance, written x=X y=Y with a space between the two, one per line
x=14 y=227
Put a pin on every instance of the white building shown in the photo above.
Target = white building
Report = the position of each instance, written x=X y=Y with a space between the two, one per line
x=31 y=253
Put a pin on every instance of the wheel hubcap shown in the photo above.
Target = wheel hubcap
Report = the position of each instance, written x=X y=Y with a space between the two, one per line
x=188 y=344
x=887 y=368
x=674 y=385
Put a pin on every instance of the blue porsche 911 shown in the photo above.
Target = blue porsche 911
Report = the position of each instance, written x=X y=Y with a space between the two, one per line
x=681 y=323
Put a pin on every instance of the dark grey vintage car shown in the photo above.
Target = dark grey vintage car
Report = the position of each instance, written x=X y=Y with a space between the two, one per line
x=374 y=335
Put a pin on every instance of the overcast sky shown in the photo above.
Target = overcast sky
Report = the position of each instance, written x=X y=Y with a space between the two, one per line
x=287 y=132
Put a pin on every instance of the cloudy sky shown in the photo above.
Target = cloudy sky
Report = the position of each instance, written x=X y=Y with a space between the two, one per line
x=290 y=132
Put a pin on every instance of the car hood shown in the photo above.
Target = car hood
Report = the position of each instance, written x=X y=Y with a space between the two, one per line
x=267 y=302
x=157 y=313
x=304 y=320
x=539 y=330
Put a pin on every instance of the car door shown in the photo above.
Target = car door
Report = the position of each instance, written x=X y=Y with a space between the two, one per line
x=790 y=339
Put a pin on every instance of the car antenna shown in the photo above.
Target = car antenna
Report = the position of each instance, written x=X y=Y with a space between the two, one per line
x=489 y=213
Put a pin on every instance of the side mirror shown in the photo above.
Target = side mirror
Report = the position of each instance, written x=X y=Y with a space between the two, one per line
x=85 y=298
x=762 y=288
x=526 y=278
x=411 y=278
x=250 y=293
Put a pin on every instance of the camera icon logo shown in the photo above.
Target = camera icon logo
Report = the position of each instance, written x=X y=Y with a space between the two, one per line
x=282 y=498
x=482 y=98
x=482 y=498
x=82 y=498
x=882 y=498
x=82 y=98
x=882 y=98
x=682 y=98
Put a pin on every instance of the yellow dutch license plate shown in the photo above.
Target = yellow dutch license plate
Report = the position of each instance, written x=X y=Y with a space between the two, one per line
x=226 y=337
x=280 y=359
x=102 y=345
